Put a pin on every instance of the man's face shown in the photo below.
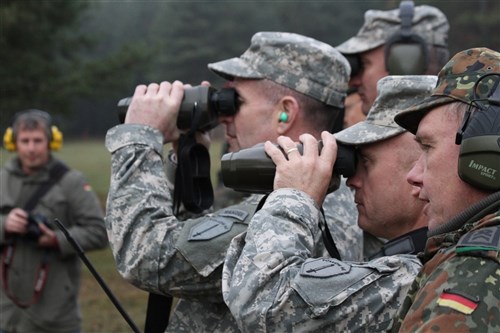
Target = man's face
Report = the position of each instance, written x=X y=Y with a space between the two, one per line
x=32 y=149
x=387 y=205
x=441 y=189
x=373 y=63
x=353 y=113
x=255 y=121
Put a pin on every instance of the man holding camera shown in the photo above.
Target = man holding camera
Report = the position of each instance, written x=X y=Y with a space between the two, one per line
x=40 y=269
x=287 y=84
x=281 y=285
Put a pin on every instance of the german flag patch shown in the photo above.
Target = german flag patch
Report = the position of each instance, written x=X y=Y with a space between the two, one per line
x=458 y=301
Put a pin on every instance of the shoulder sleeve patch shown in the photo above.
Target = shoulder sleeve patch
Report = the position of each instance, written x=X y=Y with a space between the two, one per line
x=486 y=239
x=327 y=283
x=334 y=286
x=324 y=267
x=210 y=228
x=217 y=225
x=204 y=241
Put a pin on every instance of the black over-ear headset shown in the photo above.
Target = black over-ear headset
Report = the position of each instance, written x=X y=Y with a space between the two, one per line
x=405 y=51
x=55 y=135
x=479 y=136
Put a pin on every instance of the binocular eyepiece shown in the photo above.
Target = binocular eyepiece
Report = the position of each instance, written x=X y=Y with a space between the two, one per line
x=200 y=107
x=252 y=170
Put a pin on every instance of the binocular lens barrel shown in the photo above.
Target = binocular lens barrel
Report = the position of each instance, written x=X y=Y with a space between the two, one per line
x=200 y=107
x=252 y=170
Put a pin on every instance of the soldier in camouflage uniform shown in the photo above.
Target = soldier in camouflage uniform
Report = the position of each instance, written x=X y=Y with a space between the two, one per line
x=368 y=48
x=287 y=83
x=380 y=26
x=458 y=288
x=272 y=281
x=383 y=145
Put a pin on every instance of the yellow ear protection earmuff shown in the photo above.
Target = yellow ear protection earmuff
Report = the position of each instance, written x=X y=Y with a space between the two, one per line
x=8 y=140
x=57 y=139
x=479 y=136
x=283 y=117
x=406 y=52
x=55 y=135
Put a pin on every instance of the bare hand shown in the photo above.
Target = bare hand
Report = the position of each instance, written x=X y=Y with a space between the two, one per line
x=48 y=237
x=157 y=106
x=201 y=137
x=16 y=221
x=310 y=172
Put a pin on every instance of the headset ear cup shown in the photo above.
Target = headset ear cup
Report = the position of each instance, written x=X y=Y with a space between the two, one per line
x=8 y=140
x=479 y=158
x=56 y=140
x=479 y=162
x=406 y=51
x=406 y=58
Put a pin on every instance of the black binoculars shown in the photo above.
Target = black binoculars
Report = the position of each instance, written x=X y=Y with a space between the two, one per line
x=200 y=107
x=252 y=170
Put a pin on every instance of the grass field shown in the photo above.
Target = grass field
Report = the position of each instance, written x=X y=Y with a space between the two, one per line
x=99 y=314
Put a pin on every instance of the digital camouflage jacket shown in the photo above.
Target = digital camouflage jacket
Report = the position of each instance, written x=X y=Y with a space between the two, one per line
x=276 y=280
x=160 y=253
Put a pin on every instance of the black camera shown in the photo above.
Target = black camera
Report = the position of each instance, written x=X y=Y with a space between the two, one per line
x=33 y=227
x=252 y=170
x=200 y=107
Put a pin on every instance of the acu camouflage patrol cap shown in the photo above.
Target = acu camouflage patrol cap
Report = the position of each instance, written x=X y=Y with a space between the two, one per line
x=428 y=22
x=394 y=93
x=301 y=63
x=456 y=82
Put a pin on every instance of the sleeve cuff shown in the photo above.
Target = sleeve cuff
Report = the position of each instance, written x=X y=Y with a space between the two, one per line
x=134 y=134
x=297 y=195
